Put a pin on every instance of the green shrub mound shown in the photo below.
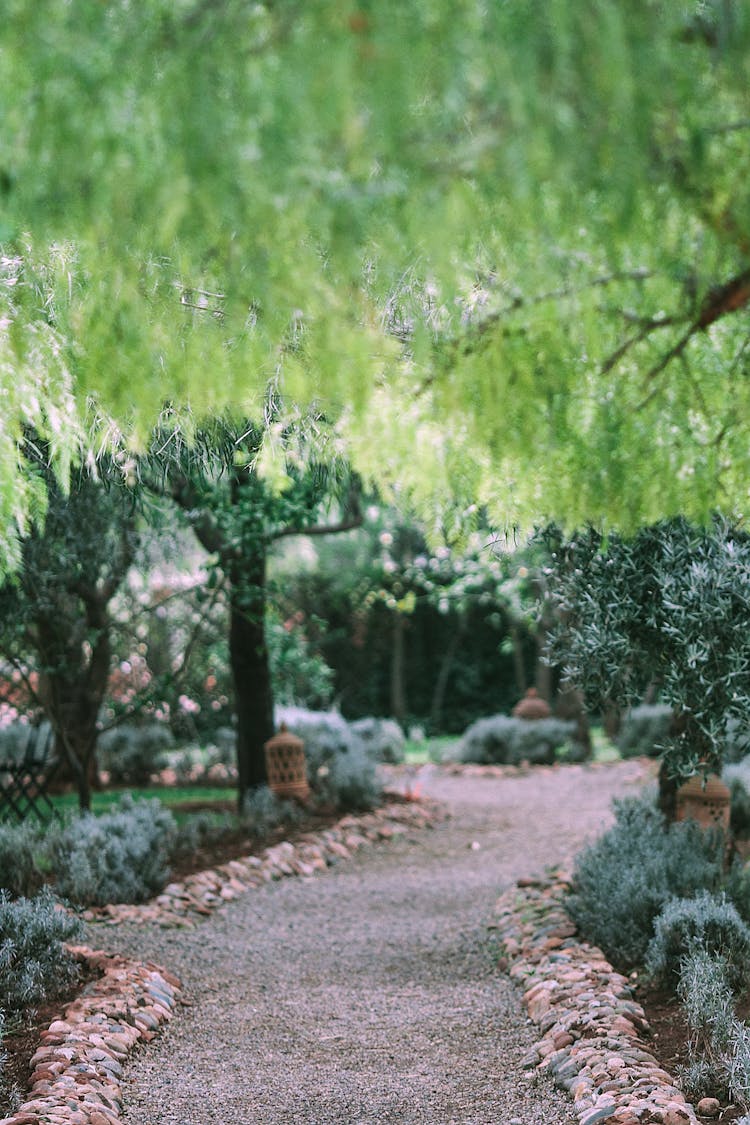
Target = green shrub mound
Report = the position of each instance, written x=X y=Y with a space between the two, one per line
x=34 y=964
x=121 y=856
x=19 y=846
x=645 y=730
x=706 y=922
x=504 y=740
x=132 y=753
x=623 y=880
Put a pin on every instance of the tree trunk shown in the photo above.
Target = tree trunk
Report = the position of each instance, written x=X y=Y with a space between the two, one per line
x=668 y=787
x=519 y=667
x=570 y=708
x=611 y=719
x=251 y=673
x=72 y=691
x=441 y=683
x=398 y=687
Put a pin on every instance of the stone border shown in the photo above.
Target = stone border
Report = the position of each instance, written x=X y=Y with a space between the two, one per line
x=76 y=1070
x=591 y=1027
x=186 y=902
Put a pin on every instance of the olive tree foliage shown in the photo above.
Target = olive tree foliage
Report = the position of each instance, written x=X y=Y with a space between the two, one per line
x=519 y=235
x=55 y=614
x=666 y=609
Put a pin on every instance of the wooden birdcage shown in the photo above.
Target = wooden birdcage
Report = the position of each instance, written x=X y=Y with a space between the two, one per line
x=286 y=766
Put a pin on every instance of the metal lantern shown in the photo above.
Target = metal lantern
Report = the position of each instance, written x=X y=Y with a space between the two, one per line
x=705 y=800
x=286 y=766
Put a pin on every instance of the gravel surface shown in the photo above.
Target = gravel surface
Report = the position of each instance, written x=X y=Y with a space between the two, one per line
x=368 y=994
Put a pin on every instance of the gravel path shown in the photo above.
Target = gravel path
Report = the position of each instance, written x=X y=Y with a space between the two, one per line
x=369 y=994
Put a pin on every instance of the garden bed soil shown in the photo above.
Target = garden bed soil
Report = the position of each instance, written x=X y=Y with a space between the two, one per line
x=234 y=843
x=20 y=1044
x=671 y=1034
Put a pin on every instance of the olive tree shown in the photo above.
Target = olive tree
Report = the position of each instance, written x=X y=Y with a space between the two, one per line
x=667 y=609
x=55 y=614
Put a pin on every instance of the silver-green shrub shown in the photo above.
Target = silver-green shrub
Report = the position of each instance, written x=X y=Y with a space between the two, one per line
x=645 y=730
x=341 y=772
x=14 y=739
x=738 y=1064
x=737 y=777
x=120 y=856
x=705 y=922
x=34 y=964
x=352 y=783
x=20 y=844
x=505 y=740
x=623 y=880
x=702 y=1078
x=706 y=994
x=131 y=753
x=383 y=738
x=737 y=740
x=263 y=811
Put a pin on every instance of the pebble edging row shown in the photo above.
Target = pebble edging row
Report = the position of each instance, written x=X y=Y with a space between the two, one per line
x=77 y=1068
x=185 y=903
x=591 y=1027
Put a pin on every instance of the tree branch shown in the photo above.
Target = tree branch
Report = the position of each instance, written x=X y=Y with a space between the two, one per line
x=719 y=302
x=319 y=529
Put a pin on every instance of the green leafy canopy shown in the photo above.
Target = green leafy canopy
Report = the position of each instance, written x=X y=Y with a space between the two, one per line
x=517 y=235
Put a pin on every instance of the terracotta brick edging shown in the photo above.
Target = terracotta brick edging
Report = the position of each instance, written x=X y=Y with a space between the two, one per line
x=184 y=903
x=77 y=1068
x=591 y=1027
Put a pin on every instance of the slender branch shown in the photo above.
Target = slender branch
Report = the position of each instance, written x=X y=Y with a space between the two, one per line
x=475 y=334
x=648 y=326
x=719 y=302
x=319 y=529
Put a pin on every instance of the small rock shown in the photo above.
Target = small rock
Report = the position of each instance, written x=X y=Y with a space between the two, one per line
x=708 y=1107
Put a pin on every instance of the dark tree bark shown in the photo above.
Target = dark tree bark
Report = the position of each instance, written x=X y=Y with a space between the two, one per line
x=570 y=707
x=251 y=673
x=519 y=666
x=611 y=719
x=59 y=614
x=398 y=669
x=443 y=676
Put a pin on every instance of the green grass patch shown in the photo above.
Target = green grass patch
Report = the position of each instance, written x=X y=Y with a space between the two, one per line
x=603 y=749
x=170 y=796
x=427 y=750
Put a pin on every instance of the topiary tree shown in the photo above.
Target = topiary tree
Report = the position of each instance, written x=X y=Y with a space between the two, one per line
x=670 y=607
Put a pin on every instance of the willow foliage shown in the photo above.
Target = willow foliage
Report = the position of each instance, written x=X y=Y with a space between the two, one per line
x=525 y=227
